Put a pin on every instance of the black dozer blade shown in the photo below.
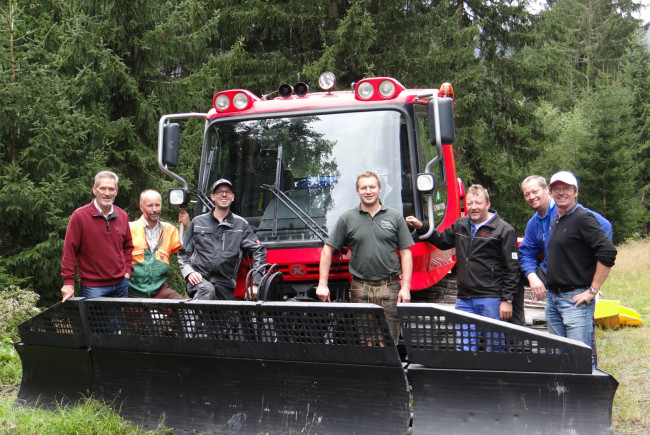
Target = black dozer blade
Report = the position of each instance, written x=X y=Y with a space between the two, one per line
x=470 y=374
x=229 y=367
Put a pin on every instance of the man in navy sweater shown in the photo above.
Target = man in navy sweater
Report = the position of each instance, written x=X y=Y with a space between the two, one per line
x=580 y=256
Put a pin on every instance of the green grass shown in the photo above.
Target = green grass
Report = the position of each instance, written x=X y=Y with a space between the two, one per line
x=89 y=417
x=625 y=353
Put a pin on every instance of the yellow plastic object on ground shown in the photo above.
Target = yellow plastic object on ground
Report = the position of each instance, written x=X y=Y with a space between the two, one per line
x=611 y=314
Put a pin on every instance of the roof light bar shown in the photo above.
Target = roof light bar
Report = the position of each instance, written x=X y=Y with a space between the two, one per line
x=234 y=100
x=378 y=89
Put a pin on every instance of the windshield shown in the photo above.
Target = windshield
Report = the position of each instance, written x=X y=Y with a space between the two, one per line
x=314 y=160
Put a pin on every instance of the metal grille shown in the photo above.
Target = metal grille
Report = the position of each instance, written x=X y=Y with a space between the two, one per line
x=442 y=337
x=349 y=333
x=429 y=332
x=60 y=325
x=338 y=324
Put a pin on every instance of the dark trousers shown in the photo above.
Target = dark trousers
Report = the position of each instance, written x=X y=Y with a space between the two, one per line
x=206 y=290
x=518 y=315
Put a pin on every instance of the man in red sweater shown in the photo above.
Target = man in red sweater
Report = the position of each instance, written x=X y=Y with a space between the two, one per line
x=98 y=241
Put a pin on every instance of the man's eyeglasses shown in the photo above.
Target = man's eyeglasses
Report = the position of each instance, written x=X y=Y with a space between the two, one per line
x=223 y=192
x=561 y=189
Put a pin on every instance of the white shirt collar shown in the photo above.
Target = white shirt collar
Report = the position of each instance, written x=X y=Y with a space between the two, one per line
x=100 y=210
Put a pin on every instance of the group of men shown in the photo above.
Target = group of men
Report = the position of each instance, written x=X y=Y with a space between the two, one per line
x=567 y=266
x=577 y=251
x=116 y=259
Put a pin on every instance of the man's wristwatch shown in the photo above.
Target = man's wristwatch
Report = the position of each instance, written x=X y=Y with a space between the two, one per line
x=592 y=291
x=508 y=300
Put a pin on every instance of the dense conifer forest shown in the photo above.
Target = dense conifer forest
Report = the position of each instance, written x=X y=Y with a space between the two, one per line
x=83 y=84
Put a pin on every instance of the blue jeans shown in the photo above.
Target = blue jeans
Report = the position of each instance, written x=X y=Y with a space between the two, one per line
x=111 y=324
x=566 y=320
x=119 y=290
x=488 y=307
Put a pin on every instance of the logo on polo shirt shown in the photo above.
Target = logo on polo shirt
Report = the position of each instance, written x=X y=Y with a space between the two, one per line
x=386 y=224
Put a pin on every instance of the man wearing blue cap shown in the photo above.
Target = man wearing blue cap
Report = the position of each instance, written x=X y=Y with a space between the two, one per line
x=213 y=246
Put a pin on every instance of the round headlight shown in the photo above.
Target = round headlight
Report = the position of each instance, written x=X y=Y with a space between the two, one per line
x=387 y=88
x=327 y=81
x=365 y=90
x=240 y=100
x=222 y=102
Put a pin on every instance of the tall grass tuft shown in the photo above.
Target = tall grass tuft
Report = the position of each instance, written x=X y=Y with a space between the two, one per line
x=625 y=353
x=89 y=417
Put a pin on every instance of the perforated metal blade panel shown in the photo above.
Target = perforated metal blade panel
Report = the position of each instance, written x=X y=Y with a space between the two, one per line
x=441 y=337
x=227 y=367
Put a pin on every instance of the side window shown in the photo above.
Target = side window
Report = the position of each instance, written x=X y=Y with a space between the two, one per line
x=408 y=195
x=426 y=153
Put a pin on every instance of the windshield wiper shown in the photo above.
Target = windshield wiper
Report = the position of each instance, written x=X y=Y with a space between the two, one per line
x=278 y=174
x=294 y=208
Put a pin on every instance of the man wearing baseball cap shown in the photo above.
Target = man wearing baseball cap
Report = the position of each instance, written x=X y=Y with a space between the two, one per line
x=580 y=256
x=213 y=247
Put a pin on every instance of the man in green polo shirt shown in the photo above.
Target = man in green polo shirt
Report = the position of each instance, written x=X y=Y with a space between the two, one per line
x=373 y=233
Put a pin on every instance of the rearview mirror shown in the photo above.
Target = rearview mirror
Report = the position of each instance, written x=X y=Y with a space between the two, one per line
x=446 y=117
x=171 y=144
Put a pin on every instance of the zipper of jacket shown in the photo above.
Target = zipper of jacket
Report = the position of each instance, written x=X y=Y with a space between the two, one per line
x=223 y=241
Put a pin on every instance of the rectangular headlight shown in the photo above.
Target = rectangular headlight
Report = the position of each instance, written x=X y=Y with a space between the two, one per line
x=178 y=197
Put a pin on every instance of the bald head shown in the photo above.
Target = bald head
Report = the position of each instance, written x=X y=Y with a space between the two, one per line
x=151 y=206
x=151 y=194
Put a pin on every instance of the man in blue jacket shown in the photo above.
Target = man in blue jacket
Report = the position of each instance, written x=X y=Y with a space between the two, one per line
x=538 y=231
